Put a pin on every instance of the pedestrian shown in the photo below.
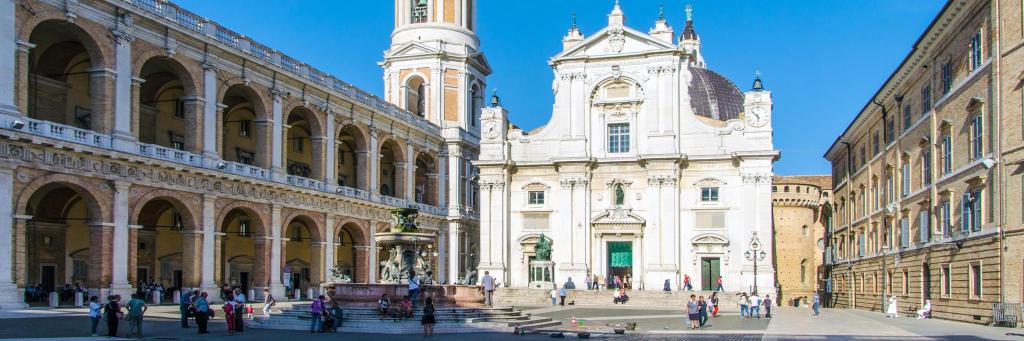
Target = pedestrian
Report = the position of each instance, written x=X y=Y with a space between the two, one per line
x=755 y=305
x=713 y=302
x=554 y=297
x=720 y=284
x=744 y=302
x=767 y=306
x=383 y=306
x=618 y=282
x=693 y=311
x=268 y=302
x=561 y=295
x=428 y=318
x=702 y=311
x=414 y=286
x=316 y=311
x=686 y=283
x=588 y=282
x=202 y=310
x=229 y=313
x=185 y=305
x=668 y=286
x=816 y=304
x=239 y=310
x=112 y=311
x=336 y=316
x=488 y=285
x=627 y=283
x=892 y=311
x=94 y=313
x=136 y=309
x=601 y=283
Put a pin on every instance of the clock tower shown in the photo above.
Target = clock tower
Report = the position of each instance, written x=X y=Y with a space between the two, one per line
x=435 y=70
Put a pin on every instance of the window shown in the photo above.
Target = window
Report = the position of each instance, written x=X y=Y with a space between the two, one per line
x=926 y=99
x=863 y=158
x=976 y=51
x=947 y=77
x=976 y=283
x=245 y=128
x=875 y=148
x=947 y=154
x=244 y=229
x=419 y=11
x=854 y=164
x=890 y=187
x=806 y=231
x=976 y=135
x=179 y=109
x=298 y=144
x=904 y=232
x=803 y=271
x=888 y=282
x=970 y=217
x=906 y=117
x=890 y=133
x=945 y=274
x=79 y=267
x=905 y=183
x=709 y=194
x=944 y=216
x=177 y=141
x=618 y=138
x=926 y=167
x=536 y=197
x=906 y=283
x=924 y=229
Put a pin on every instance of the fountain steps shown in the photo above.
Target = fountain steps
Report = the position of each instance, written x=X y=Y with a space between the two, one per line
x=449 y=320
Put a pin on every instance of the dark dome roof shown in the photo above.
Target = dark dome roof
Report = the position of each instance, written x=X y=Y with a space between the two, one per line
x=714 y=96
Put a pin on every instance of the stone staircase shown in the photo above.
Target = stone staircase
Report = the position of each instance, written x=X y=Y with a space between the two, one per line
x=449 y=320
x=525 y=297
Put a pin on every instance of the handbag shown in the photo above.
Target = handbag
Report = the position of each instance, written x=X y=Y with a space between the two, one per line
x=211 y=313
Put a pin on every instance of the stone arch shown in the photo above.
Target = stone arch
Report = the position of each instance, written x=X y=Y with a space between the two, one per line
x=88 y=34
x=244 y=125
x=90 y=191
x=352 y=258
x=307 y=218
x=184 y=69
x=187 y=210
x=625 y=77
x=259 y=226
x=392 y=167
x=426 y=178
x=353 y=153
x=304 y=142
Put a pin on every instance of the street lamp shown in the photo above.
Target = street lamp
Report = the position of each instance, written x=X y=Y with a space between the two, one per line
x=755 y=254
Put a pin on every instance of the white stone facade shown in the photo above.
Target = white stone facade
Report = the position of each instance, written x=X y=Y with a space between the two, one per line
x=638 y=114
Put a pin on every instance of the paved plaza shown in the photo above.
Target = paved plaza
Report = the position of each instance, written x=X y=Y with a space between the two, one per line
x=652 y=324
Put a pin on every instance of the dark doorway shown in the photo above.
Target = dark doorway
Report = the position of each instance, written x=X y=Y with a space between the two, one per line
x=142 y=275
x=620 y=261
x=177 y=279
x=48 y=277
x=926 y=282
x=710 y=269
x=243 y=279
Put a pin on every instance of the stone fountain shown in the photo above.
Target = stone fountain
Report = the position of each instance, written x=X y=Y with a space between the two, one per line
x=408 y=249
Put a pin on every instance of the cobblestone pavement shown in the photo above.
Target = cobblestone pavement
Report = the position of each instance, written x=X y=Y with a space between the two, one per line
x=653 y=324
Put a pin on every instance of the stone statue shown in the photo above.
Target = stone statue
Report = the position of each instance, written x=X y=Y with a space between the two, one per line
x=470 y=277
x=543 y=248
x=389 y=271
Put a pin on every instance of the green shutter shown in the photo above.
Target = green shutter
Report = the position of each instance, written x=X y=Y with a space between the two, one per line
x=621 y=254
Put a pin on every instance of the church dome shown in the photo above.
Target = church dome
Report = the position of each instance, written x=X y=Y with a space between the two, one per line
x=713 y=96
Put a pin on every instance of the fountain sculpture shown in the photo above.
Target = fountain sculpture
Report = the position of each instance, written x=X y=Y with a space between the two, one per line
x=408 y=249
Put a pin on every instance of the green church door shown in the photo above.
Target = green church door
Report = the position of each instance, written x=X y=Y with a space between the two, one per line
x=709 y=271
x=620 y=261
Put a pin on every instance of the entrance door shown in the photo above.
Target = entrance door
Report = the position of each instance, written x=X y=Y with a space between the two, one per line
x=48 y=277
x=620 y=261
x=243 y=277
x=142 y=275
x=177 y=279
x=926 y=283
x=709 y=271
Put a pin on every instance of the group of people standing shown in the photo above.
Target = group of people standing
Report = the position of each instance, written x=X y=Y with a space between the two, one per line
x=112 y=311
x=750 y=305
x=196 y=305
x=597 y=282
x=698 y=309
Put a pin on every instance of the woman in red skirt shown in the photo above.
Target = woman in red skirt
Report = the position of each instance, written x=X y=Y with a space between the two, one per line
x=229 y=313
x=714 y=302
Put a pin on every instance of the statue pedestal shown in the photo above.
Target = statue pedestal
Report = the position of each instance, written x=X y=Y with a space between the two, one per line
x=542 y=274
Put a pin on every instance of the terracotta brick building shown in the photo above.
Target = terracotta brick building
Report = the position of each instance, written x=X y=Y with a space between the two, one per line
x=927 y=177
x=801 y=209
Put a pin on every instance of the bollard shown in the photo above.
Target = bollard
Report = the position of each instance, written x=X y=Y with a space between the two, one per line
x=309 y=293
x=177 y=297
x=297 y=294
x=54 y=300
x=79 y=299
x=251 y=296
x=157 y=298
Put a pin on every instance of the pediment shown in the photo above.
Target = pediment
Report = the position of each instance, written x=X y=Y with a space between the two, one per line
x=411 y=49
x=709 y=239
x=618 y=216
x=174 y=257
x=614 y=40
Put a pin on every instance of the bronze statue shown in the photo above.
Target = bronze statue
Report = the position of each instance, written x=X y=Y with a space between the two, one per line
x=543 y=248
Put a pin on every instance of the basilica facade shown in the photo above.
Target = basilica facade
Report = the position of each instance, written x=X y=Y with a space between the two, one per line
x=141 y=143
x=652 y=167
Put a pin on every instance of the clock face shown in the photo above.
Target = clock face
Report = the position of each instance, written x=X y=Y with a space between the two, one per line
x=490 y=129
x=757 y=116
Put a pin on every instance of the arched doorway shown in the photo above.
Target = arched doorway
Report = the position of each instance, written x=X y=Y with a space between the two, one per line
x=301 y=256
x=392 y=170
x=350 y=254
x=352 y=155
x=303 y=144
x=168 y=249
x=167 y=108
x=244 y=128
x=59 y=240
x=61 y=83
x=244 y=250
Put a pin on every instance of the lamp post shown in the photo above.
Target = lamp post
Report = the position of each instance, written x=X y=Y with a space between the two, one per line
x=755 y=254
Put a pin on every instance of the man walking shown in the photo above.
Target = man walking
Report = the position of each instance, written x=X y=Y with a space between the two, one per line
x=768 y=306
x=561 y=294
x=720 y=284
x=816 y=304
x=202 y=313
x=488 y=283
x=686 y=283
x=268 y=302
x=316 y=310
x=136 y=308
x=755 y=305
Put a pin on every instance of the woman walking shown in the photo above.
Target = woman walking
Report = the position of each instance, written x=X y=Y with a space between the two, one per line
x=744 y=306
x=693 y=311
x=702 y=311
x=714 y=304
x=94 y=312
x=229 y=311
x=112 y=311
x=816 y=304
x=892 y=311
x=428 y=318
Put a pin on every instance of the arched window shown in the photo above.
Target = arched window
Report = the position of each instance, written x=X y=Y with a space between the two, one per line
x=419 y=11
x=476 y=105
x=803 y=271
x=415 y=96
x=620 y=196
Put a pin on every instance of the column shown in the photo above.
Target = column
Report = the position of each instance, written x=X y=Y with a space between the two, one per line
x=276 y=138
x=10 y=297
x=119 y=273
x=8 y=48
x=331 y=154
x=453 y=251
x=276 y=286
x=317 y=274
x=373 y=158
x=454 y=180
x=442 y=258
x=192 y=257
x=210 y=253
x=435 y=100
x=122 y=132
x=442 y=179
x=332 y=247
x=371 y=255
x=22 y=76
x=211 y=123
x=410 y=172
x=133 y=253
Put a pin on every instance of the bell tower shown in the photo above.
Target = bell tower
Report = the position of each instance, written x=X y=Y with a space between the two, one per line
x=434 y=67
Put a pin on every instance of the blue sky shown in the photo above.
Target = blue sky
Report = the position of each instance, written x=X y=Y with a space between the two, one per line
x=821 y=58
